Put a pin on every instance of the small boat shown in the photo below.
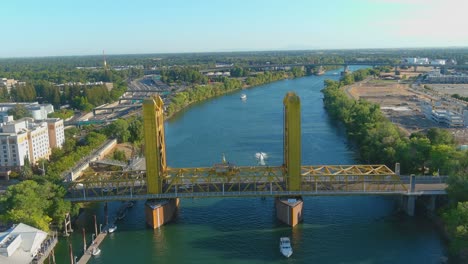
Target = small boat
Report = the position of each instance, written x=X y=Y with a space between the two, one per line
x=243 y=96
x=285 y=247
x=112 y=229
x=96 y=251
x=129 y=204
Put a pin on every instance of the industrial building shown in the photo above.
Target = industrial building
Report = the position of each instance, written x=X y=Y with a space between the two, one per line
x=443 y=116
x=438 y=77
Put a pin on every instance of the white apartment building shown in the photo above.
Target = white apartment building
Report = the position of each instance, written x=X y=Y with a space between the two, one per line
x=25 y=138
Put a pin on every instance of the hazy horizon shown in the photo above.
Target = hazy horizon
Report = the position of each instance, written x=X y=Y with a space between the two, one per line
x=56 y=28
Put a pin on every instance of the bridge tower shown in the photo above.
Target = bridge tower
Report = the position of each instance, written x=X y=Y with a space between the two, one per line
x=155 y=146
x=158 y=212
x=289 y=209
x=292 y=141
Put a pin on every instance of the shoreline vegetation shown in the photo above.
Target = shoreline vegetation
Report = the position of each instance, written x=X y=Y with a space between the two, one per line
x=431 y=153
x=201 y=92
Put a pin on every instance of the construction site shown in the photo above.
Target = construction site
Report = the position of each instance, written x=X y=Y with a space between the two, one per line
x=414 y=106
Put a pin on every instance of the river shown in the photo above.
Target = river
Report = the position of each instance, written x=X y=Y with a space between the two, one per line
x=365 y=229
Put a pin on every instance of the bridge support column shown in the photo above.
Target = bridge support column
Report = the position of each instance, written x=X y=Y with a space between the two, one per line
x=345 y=70
x=409 y=204
x=160 y=212
x=289 y=210
x=409 y=200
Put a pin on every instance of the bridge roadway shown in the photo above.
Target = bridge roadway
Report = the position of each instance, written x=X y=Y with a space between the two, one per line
x=252 y=182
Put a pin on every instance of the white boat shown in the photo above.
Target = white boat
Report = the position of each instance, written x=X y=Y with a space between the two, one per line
x=112 y=229
x=243 y=96
x=96 y=251
x=285 y=247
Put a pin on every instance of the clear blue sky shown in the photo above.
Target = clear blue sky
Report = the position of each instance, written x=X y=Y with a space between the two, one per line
x=83 y=27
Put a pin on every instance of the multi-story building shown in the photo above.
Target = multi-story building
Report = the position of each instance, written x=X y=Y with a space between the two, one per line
x=37 y=111
x=26 y=139
x=56 y=132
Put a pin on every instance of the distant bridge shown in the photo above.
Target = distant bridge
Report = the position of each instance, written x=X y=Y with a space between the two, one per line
x=345 y=64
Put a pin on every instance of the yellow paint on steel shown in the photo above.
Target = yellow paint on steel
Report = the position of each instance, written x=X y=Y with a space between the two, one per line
x=289 y=177
x=155 y=148
x=292 y=141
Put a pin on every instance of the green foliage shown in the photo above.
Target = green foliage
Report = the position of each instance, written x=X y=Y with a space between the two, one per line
x=35 y=204
x=183 y=74
x=456 y=220
x=119 y=130
x=62 y=113
x=380 y=141
x=65 y=158
x=119 y=155
x=24 y=93
x=459 y=97
x=297 y=72
x=19 y=111
x=239 y=72
x=135 y=127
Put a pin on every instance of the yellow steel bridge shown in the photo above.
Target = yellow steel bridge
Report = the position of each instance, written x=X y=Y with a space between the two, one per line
x=225 y=179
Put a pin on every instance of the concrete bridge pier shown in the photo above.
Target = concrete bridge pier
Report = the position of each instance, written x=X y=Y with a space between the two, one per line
x=408 y=201
x=160 y=211
x=289 y=210
x=345 y=70
x=408 y=204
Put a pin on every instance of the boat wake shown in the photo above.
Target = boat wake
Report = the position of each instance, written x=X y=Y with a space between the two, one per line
x=261 y=157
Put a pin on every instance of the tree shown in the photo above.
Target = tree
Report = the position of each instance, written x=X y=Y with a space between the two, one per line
x=136 y=130
x=119 y=155
x=439 y=136
x=19 y=111
x=119 y=130
x=28 y=202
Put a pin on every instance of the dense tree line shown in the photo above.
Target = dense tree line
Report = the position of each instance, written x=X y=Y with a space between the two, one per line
x=38 y=199
x=380 y=141
x=459 y=97
x=183 y=75
x=202 y=92
x=126 y=130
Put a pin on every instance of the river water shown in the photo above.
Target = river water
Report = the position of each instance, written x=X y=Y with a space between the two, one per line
x=364 y=229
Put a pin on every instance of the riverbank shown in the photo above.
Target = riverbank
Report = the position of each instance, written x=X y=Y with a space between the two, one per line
x=380 y=141
x=255 y=81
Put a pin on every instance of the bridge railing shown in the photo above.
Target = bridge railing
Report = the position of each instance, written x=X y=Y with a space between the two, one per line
x=424 y=179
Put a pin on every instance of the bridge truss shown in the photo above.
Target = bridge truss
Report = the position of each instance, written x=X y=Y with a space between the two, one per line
x=240 y=181
x=225 y=179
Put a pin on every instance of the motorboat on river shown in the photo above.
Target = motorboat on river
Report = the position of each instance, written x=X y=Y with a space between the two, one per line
x=243 y=97
x=285 y=247
x=111 y=229
x=96 y=251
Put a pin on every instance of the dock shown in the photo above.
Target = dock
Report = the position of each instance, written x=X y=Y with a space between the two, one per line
x=87 y=255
